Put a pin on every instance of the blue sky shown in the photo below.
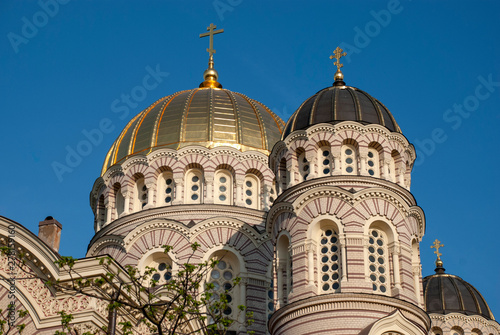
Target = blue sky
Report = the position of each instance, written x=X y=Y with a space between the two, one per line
x=62 y=73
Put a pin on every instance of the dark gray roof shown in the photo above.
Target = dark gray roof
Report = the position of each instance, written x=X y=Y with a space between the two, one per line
x=444 y=293
x=340 y=103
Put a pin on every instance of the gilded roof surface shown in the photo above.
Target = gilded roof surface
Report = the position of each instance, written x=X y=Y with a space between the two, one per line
x=204 y=116
x=340 y=103
x=444 y=293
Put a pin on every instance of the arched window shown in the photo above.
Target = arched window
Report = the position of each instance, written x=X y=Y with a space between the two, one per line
x=223 y=184
x=194 y=186
x=222 y=276
x=141 y=194
x=476 y=331
x=377 y=261
x=373 y=162
x=101 y=213
x=166 y=189
x=456 y=331
x=119 y=201
x=326 y=161
x=436 y=331
x=329 y=258
x=303 y=164
x=281 y=177
x=251 y=191
x=283 y=270
x=349 y=159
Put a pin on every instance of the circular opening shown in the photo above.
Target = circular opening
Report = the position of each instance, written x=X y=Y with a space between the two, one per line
x=326 y=153
x=370 y=163
x=333 y=239
x=162 y=266
x=324 y=240
x=144 y=188
x=248 y=192
x=222 y=188
x=221 y=265
x=168 y=199
x=156 y=276
x=324 y=268
x=326 y=162
x=325 y=277
x=195 y=187
x=169 y=181
x=335 y=267
x=349 y=169
x=371 y=172
x=326 y=287
x=222 y=180
x=324 y=250
x=334 y=248
x=249 y=184
x=228 y=275
x=215 y=274
x=306 y=167
x=248 y=202
x=195 y=179
x=335 y=258
x=326 y=171
x=348 y=152
x=348 y=160
x=168 y=190
x=167 y=276
x=328 y=232
x=374 y=233
x=194 y=196
x=380 y=242
x=370 y=154
x=222 y=197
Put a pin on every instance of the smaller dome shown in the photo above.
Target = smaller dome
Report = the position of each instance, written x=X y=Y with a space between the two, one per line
x=445 y=293
x=340 y=103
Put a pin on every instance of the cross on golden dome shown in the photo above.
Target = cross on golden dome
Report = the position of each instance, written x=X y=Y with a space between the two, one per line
x=211 y=32
x=210 y=75
x=338 y=53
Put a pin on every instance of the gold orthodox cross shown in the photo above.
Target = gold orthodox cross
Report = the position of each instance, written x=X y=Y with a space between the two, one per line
x=437 y=244
x=211 y=33
x=338 y=53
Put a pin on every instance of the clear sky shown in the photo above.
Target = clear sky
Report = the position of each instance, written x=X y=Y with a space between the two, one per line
x=435 y=64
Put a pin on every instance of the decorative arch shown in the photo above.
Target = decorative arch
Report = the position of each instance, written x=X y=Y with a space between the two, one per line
x=395 y=323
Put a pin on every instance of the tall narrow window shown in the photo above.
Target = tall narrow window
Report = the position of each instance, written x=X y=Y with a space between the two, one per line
x=281 y=178
x=349 y=159
x=377 y=260
x=251 y=192
x=166 y=189
x=329 y=261
x=304 y=166
x=283 y=270
x=194 y=187
x=373 y=163
x=222 y=277
x=120 y=201
x=141 y=195
x=326 y=161
x=101 y=213
x=223 y=187
x=270 y=300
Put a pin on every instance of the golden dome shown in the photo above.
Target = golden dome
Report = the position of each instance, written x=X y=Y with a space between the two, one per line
x=209 y=117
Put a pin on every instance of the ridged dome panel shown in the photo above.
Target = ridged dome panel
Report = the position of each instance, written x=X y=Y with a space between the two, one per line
x=341 y=103
x=444 y=293
x=204 y=116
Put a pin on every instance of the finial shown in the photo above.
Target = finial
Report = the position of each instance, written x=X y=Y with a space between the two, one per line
x=210 y=75
x=339 y=76
x=439 y=263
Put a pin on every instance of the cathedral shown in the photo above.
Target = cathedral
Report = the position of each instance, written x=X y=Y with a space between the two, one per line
x=315 y=215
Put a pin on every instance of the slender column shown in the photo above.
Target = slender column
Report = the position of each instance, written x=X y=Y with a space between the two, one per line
x=343 y=259
x=336 y=165
x=280 y=284
x=209 y=182
x=385 y=167
x=416 y=282
x=126 y=205
x=395 y=263
x=178 y=191
x=310 y=261
x=151 y=195
x=239 y=193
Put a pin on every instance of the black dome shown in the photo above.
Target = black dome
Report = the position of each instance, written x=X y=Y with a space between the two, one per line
x=340 y=103
x=444 y=293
